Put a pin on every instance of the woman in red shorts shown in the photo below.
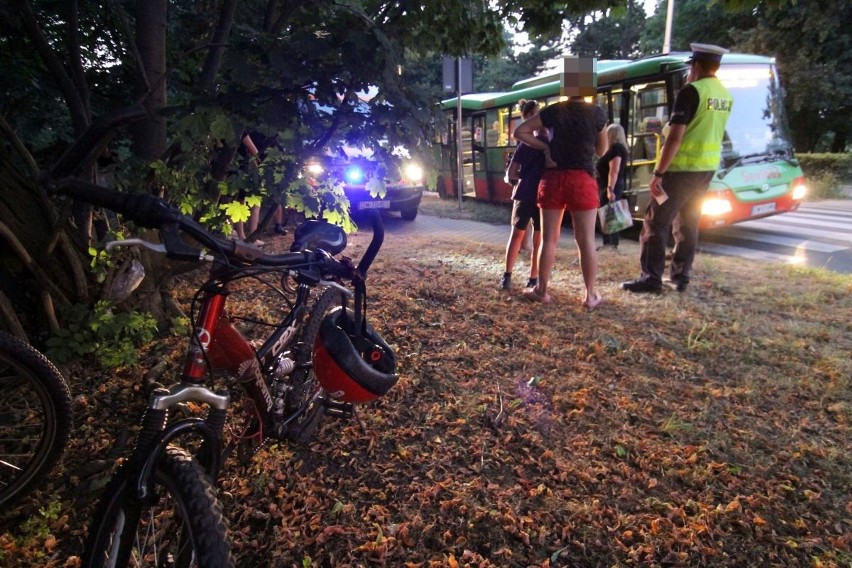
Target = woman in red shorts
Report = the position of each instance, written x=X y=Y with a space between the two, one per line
x=568 y=182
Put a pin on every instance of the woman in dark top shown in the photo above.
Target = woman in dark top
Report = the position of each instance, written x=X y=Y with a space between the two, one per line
x=610 y=168
x=568 y=183
x=524 y=173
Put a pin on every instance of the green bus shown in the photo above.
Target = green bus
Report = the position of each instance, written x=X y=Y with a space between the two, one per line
x=758 y=175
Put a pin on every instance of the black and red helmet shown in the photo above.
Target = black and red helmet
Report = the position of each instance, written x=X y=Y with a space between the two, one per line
x=352 y=365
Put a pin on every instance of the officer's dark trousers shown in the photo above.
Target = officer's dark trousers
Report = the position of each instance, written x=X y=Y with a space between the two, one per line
x=678 y=215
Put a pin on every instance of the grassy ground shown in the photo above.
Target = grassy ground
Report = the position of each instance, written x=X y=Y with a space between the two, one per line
x=710 y=428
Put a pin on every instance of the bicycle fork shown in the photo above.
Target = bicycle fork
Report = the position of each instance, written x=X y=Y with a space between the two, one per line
x=157 y=433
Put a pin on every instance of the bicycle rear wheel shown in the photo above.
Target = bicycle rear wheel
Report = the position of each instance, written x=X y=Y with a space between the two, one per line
x=35 y=418
x=307 y=394
x=182 y=526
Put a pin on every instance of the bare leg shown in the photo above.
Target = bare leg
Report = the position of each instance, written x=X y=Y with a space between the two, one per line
x=254 y=219
x=513 y=247
x=239 y=229
x=535 y=253
x=551 y=226
x=584 y=235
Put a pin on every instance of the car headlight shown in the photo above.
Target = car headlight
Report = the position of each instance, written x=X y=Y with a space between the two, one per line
x=414 y=172
x=315 y=169
x=715 y=206
x=353 y=174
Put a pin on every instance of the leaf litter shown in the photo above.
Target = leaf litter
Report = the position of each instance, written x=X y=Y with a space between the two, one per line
x=709 y=428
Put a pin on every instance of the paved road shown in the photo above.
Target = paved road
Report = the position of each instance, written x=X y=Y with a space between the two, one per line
x=819 y=234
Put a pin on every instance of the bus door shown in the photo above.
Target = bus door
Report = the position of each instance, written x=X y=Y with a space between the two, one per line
x=475 y=178
x=648 y=114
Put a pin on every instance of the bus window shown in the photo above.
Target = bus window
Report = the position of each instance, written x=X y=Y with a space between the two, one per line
x=496 y=128
x=602 y=100
x=503 y=122
x=617 y=102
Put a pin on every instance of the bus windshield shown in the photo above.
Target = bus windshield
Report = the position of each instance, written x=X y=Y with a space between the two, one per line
x=757 y=124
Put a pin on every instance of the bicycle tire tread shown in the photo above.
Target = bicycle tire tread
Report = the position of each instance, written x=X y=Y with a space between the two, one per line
x=47 y=378
x=195 y=492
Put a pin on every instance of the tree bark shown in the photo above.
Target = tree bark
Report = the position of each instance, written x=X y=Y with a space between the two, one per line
x=150 y=135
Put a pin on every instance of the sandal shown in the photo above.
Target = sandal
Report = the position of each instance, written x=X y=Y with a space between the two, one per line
x=531 y=294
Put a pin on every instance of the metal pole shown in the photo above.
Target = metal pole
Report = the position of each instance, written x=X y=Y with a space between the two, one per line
x=459 y=158
x=667 y=42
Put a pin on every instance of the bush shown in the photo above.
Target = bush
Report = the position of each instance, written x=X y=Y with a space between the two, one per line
x=111 y=339
x=826 y=173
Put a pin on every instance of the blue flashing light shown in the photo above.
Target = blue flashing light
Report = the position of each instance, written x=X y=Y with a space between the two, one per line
x=354 y=174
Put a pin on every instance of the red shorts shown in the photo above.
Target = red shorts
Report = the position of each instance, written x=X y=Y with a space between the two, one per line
x=574 y=190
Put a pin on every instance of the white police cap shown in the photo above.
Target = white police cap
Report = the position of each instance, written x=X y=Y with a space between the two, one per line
x=706 y=52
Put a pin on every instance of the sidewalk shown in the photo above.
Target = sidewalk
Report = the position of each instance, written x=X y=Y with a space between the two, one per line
x=485 y=232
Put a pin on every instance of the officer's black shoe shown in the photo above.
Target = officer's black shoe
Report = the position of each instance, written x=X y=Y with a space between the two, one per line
x=641 y=286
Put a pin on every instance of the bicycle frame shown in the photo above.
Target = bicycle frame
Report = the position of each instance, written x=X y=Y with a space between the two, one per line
x=216 y=343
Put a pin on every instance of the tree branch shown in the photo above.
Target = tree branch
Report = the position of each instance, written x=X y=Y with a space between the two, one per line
x=19 y=147
x=76 y=105
x=13 y=324
x=217 y=45
x=21 y=252
x=89 y=145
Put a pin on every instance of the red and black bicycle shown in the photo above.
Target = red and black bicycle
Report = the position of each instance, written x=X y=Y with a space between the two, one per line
x=160 y=508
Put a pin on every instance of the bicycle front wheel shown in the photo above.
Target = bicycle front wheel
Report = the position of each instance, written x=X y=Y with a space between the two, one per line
x=35 y=418
x=181 y=527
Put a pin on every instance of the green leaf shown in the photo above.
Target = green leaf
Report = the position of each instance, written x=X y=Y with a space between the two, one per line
x=235 y=211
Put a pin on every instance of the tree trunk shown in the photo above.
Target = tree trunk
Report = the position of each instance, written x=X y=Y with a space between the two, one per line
x=150 y=135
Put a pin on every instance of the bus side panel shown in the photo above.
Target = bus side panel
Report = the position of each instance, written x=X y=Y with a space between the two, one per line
x=480 y=185
x=502 y=191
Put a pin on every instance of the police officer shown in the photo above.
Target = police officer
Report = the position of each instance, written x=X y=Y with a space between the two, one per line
x=689 y=158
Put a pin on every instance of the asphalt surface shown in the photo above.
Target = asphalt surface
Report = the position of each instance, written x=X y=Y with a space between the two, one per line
x=762 y=245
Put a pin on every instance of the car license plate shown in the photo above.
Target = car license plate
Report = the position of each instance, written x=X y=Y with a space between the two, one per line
x=762 y=209
x=374 y=205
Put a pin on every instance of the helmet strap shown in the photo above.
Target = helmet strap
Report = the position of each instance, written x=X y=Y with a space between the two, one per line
x=360 y=309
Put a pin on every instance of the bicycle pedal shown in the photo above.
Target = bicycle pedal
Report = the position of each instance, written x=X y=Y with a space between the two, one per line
x=339 y=409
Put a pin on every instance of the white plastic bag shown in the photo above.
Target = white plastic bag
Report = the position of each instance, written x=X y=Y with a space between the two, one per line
x=615 y=217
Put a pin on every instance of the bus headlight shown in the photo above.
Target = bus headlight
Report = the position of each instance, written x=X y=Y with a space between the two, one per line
x=715 y=206
x=799 y=188
x=413 y=172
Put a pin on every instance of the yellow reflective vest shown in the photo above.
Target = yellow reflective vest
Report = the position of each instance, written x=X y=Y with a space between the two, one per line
x=701 y=148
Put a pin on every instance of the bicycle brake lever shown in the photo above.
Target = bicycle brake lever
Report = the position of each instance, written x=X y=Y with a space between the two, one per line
x=156 y=247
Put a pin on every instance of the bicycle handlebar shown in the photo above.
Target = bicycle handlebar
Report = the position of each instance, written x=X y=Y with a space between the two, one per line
x=154 y=213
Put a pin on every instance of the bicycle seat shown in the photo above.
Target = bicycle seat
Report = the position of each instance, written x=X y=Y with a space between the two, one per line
x=315 y=234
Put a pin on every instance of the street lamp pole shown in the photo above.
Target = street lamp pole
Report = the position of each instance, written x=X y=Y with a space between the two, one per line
x=667 y=42
x=459 y=157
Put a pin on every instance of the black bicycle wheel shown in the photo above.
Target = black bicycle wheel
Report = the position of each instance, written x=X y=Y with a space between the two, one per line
x=307 y=394
x=35 y=418
x=181 y=527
